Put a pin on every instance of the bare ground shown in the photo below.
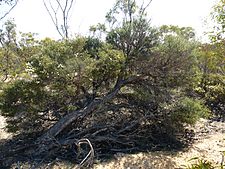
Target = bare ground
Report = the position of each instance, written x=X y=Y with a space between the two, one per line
x=3 y=133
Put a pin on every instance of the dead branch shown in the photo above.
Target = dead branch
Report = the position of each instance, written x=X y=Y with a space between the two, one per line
x=89 y=158
x=13 y=6
x=62 y=27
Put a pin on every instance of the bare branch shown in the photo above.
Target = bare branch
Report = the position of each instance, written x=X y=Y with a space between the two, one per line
x=16 y=1
x=60 y=5
x=70 y=7
x=62 y=9
x=88 y=160
x=54 y=19
x=144 y=7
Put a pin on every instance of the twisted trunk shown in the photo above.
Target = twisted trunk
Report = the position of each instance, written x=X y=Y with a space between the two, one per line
x=69 y=118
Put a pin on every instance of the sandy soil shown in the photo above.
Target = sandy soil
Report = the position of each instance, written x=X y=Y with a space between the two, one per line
x=209 y=143
x=3 y=133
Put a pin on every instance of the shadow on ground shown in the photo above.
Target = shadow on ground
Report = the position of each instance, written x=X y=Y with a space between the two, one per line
x=19 y=150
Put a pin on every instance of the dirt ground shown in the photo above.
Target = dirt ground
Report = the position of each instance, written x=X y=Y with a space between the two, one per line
x=209 y=144
x=3 y=133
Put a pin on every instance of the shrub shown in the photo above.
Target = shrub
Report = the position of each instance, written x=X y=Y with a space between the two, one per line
x=188 y=110
x=202 y=164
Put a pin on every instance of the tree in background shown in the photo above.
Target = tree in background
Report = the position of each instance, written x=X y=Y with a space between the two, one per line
x=211 y=63
x=218 y=17
x=14 y=53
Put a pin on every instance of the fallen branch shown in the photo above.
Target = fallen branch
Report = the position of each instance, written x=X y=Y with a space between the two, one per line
x=89 y=158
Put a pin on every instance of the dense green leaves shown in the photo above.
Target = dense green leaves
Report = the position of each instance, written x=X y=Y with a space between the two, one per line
x=187 y=110
x=61 y=77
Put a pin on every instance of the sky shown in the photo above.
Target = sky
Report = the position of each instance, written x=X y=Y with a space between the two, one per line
x=31 y=15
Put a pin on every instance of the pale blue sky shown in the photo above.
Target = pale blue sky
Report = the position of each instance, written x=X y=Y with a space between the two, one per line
x=31 y=16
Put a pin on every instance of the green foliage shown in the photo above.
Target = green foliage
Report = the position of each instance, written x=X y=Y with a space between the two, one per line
x=211 y=75
x=185 y=32
x=108 y=65
x=218 y=16
x=132 y=33
x=62 y=76
x=188 y=110
x=128 y=8
x=202 y=164
x=21 y=103
x=211 y=63
x=97 y=30
x=93 y=45
x=15 y=50
x=8 y=57
x=174 y=61
x=130 y=41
